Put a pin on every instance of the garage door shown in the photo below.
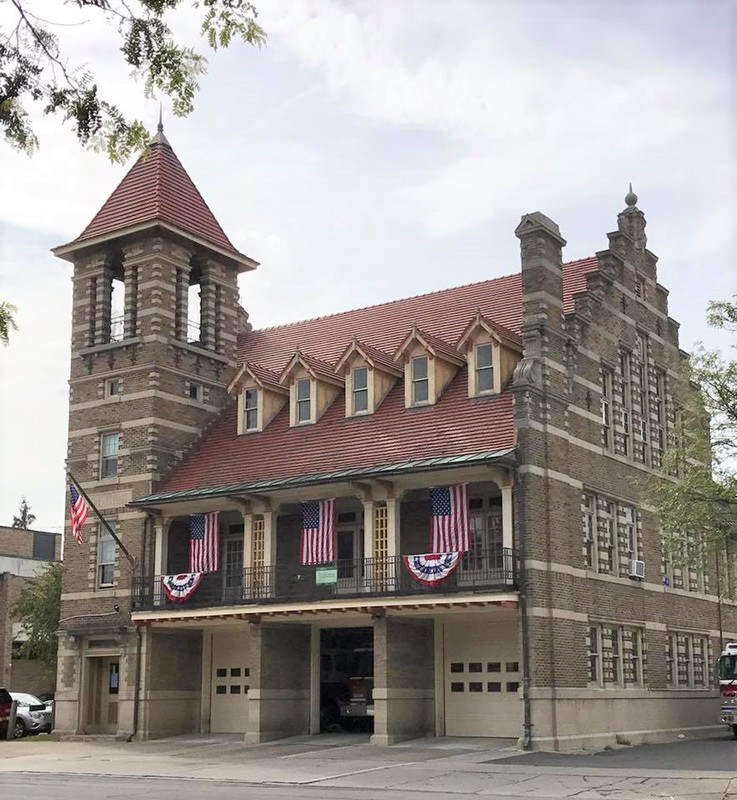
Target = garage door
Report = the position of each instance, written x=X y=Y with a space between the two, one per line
x=482 y=676
x=230 y=682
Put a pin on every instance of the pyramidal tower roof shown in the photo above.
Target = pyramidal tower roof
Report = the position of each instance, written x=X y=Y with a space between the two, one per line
x=157 y=191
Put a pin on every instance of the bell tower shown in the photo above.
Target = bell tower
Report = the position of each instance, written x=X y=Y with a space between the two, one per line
x=155 y=321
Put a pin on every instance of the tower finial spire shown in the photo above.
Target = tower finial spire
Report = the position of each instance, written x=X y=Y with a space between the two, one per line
x=631 y=198
x=160 y=126
x=160 y=138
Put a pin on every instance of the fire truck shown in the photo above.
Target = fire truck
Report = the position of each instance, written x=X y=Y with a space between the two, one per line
x=727 y=670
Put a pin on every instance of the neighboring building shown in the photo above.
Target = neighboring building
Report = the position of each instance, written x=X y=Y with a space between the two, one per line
x=24 y=554
x=550 y=392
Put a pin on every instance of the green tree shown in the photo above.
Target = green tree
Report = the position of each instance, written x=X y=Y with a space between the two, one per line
x=34 y=68
x=39 y=607
x=24 y=519
x=697 y=502
x=7 y=320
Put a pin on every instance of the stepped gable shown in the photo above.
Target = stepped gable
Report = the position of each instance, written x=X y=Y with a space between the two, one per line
x=157 y=188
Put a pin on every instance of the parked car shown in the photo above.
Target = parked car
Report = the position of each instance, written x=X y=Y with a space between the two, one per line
x=31 y=717
x=6 y=702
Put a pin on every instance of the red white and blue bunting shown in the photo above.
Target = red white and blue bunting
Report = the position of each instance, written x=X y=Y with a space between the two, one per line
x=432 y=568
x=179 y=588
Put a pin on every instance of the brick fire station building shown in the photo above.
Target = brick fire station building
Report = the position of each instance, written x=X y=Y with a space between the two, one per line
x=551 y=392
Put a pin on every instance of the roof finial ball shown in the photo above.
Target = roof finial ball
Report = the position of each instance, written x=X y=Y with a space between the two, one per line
x=630 y=198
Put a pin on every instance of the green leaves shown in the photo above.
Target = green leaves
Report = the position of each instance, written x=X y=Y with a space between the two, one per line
x=33 y=68
x=7 y=322
x=39 y=608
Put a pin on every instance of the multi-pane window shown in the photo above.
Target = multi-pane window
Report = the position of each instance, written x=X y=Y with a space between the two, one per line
x=233 y=561
x=687 y=657
x=360 y=390
x=114 y=387
x=109 y=446
x=484 y=369
x=486 y=550
x=106 y=555
x=616 y=655
x=588 y=508
x=657 y=405
x=420 y=382
x=607 y=380
x=609 y=534
x=641 y=359
x=304 y=400
x=626 y=400
x=250 y=409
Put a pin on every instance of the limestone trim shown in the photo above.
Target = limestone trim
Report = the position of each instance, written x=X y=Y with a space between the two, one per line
x=615 y=693
x=100 y=593
x=531 y=469
x=140 y=422
x=155 y=393
x=557 y=613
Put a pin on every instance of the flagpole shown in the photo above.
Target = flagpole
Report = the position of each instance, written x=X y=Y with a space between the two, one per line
x=102 y=519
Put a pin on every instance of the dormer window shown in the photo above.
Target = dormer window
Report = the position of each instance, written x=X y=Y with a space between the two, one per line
x=484 y=368
x=369 y=374
x=304 y=400
x=250 y=409
x=420 y=381
x=260 y=397
x=492 y=352
x=360 y=390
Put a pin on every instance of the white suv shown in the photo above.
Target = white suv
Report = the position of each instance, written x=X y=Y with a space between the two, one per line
x=31 y=717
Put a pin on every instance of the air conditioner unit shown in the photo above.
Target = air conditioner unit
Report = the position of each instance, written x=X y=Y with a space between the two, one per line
x=637 y=568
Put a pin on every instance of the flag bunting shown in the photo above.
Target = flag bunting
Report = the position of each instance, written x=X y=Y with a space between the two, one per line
x=179 y=588
x=431 y=568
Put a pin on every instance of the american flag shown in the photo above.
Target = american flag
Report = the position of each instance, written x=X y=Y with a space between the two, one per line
x=318 y=532
x=78 y=511
x=450 y=525
x=204 y=542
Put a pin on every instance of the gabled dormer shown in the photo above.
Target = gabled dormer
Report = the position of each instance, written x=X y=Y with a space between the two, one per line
x=429 y=365
x=369 y=374
x=313 y=385
x=492 y=352
x=260 y=397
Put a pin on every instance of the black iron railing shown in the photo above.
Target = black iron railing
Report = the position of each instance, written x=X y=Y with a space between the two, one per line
x=486 y=571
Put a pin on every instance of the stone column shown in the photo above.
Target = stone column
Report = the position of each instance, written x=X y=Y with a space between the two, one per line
x=404 y=680
x=161 y=558
x=207 y=308
x=279 y=697
x=130 y=309
x=368 y=529
x=393 y=508
x=103 y=300
x=507 y=519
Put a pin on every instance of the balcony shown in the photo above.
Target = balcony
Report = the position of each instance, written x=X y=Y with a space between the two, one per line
x=492 y=571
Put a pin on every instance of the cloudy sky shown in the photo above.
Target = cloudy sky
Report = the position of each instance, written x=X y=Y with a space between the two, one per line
x=383 y=148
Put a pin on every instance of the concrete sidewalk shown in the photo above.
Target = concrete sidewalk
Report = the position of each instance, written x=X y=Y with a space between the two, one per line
x=459 y=767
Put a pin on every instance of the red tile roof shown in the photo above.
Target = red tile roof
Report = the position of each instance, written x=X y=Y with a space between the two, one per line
x=157 y=188
x=454 y=426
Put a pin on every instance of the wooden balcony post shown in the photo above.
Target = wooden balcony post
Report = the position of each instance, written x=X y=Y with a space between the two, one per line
x=507 y=518
x=368 y=529
x=393 y=507
x=161 y=545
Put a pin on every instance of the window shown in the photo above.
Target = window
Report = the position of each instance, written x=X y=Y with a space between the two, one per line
x=110 y=445
x=486 y=553
x=607 y=378
x=687 y=655
x=625 y=363
x=484 y=369
x=114 y=387
x=589 y=528
x=629 y=516
x=657 y=404
x=360 y=390
x=106 y=555
x=195 y=391
x=250 y=409
x=593 y=636
x=615 y=655
x=304 y=400
x=420 y=383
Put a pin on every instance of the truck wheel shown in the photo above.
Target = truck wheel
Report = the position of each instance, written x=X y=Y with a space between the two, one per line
x=20 y=729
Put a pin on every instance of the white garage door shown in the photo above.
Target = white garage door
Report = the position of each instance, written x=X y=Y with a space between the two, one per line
x=482 y=676
x=230 y=682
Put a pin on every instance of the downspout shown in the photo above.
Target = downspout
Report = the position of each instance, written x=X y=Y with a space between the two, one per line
x=525 y=631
